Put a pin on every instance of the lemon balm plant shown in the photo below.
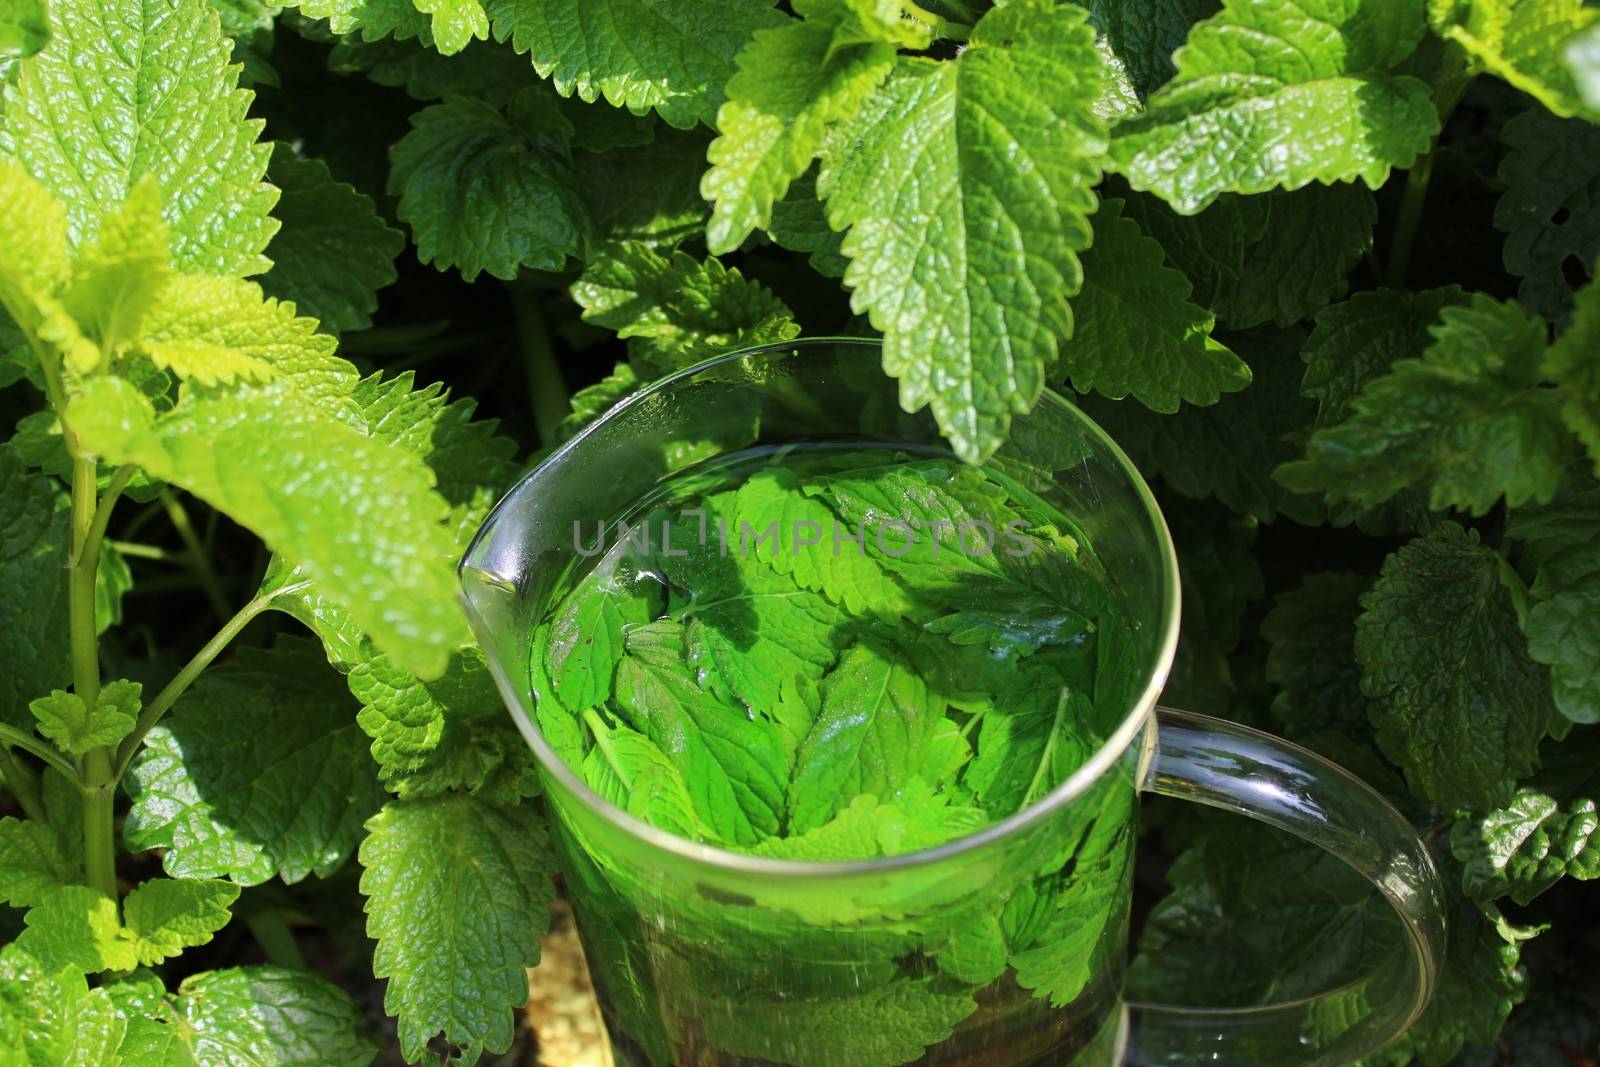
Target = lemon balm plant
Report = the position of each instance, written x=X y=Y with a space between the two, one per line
x=1323 y=269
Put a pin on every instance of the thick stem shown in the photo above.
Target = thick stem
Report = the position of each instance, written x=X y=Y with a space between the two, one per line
x=174 y=689
x=199 y=558
x=80 y=581
x=99 y=822
x=99 y=788
x=547 y=390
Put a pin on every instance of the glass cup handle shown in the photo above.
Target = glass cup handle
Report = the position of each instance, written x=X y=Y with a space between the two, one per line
x=1224 y=765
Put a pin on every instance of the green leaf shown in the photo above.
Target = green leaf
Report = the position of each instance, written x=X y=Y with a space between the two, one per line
x=800 y=224
x=1270 y=97
x=334 y=252
x=445 y=734
x=974 y=308
x=373 y=20
x=1564 y=634
x=250 y=24
x=586 y=637
x=1561 y=624
x=676 y=310
x=1226 y=451
x=31 y=863
x=24 y=27
x=458 y=894
x=871 y=736
x=34 y=254
x=1028 y=740
x=1137 y=332
x=242 y=1015
x=1311 y=658
x=1141 y=37
x=471 y=464
x=455 y=23
x=1573 y=363
x=650 y=193
x=629 y=770
x=1523 y=42
x=592 y=401
x=674 y=56
x=51 y=1017
x=485 y=70
x=33 y=266
x=1455 y=699
x=1546 y=833
x=752 y=636
x=116 y=276
x=732 y=761
x=889 y=1023
x=793 y=81
x=845 y=575
x=1275 y=258
x=64 y=719
x=205 y=363
x=1257 y=916
x=450 y=732
x=1362 y=338
x=165 y=915
x=1555 y=988
x=128 y=91
x=291 y=476
x=1480 y=982
x=33 y=592
x=486 y=190
x=916 y=818
x=1548 y=211
x=230 y=331
x=1469 y=421
x=255 y=774
x=1582 y=56
x=77 y=926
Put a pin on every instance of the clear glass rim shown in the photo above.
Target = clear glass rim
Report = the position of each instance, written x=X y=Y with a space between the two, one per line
x=1075 y=785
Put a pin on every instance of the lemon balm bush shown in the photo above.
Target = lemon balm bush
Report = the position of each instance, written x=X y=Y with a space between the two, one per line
x=1322 y=268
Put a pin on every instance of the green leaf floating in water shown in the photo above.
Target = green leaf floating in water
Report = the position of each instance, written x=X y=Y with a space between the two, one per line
x=829 y=650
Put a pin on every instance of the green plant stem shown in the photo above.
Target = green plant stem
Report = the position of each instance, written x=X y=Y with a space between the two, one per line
x=10 y=737
x=24 y=784
x=547 y=390
x=89 y=518
x=1049 y=754
x=602 y=738
x=151 y=552
x=181 y=681
x=1405 y=229
x=54 y=393
x=178 y=515
x=1445 y=99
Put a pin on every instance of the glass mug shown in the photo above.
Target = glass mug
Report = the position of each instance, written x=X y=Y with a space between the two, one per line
x=702 y=956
